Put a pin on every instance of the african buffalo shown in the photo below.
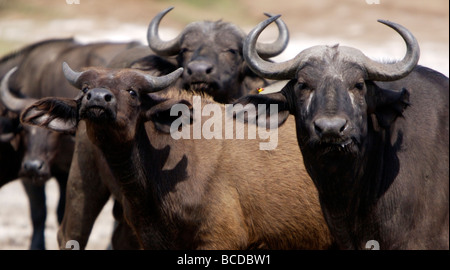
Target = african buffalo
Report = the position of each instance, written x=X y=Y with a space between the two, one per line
x=187 y=193
x=9 y=151
x=89 y=167
x=374 y=137
x=45 y=153
x=210 y=53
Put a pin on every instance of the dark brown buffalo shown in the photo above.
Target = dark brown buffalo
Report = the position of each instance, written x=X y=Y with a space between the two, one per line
x=187 y=193
x=211 y=55
x=375 y=140
x=45 y=153
x=224 y=43
x=9 y=150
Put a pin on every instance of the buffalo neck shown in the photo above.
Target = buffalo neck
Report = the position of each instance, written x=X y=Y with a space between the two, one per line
x=350 y=188
x=125 y=160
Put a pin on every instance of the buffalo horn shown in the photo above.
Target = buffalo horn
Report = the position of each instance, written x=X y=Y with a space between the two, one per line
x=278 y=46
x=71 y=75
x=10 y=101
x=156 y=84
x=172 y=47
x=164 y=48
x=389 y=72
x=375 y=70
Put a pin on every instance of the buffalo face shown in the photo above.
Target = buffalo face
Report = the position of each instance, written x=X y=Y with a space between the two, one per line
x=331 y=112
x=110 y=98
x=98 y=105
x=211 y=55
x=213 y=65
x=111 y=102
x=334 y=97
x=41 y=146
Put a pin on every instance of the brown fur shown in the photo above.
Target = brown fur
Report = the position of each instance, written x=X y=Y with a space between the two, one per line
x=203 y=194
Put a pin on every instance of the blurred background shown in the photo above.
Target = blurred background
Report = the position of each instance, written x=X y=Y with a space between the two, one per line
x=319 y=22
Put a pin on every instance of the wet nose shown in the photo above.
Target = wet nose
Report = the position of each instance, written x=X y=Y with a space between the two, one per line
x=330 y=127
x=33 y=165
x=100 y=97
x=199 y=68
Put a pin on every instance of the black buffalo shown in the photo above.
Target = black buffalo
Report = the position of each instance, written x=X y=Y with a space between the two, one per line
x=375 y=140
x=9 y=152
x=210 y=53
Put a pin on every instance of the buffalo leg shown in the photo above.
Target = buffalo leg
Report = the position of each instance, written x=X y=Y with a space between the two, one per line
x=123 y=236
x=62 y=182
x=85 y=197
x=38 y=211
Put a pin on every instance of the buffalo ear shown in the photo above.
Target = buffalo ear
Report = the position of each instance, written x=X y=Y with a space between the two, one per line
x=156 y=64
x=57 y=114
x=273 y=106
x=8 y=128
x=165 y=111
x=387 y=105
x=250 y=81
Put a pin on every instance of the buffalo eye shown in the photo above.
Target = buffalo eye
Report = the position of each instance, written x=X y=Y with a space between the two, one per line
x=359 y=86
x=232 y=51
x=85 y=89
x=302 y=85
x=132 y=92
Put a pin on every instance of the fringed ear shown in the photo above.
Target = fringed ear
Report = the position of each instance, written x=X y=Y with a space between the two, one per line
x=273 y=107
x=9 y=127
x=58 y=114
x=250 y=81
x=387 y=105
x=166 y=112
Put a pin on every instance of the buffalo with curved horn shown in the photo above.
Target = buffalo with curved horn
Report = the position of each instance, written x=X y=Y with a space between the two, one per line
x=173 y=47
x=374 y=138
x=210 y=53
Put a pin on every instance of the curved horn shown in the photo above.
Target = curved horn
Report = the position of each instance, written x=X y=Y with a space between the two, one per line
x=164 y=48
x=71 y=76
x=156 y=84
x=10 y=101
x=279 y=45
x=388 y=72
x=277 y=71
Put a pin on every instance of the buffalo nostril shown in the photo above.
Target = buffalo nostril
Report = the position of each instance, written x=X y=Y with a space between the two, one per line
x=99 y=97
x=108 y=97
x=332 y=127
x=318 y=129
x=199 y=68
x=33 y=165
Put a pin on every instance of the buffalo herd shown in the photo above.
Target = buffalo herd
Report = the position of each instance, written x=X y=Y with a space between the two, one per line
x=359 y=148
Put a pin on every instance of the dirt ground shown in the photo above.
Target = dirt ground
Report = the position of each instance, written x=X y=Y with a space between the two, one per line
x=349 y=22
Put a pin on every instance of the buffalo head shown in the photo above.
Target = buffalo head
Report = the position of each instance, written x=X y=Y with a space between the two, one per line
x=211 y=55
x=108 y=97
x=333 y=94
x=40 y=146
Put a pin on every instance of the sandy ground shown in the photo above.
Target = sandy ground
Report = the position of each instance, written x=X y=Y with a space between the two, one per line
x=15 y=224
x=350 y=22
